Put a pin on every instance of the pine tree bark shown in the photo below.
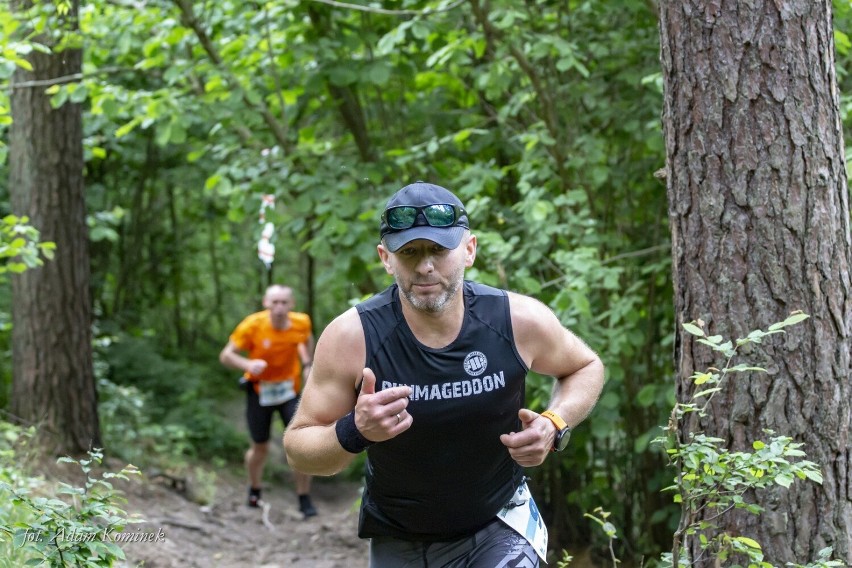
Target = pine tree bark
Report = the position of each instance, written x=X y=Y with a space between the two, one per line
x=53 y=378
x=759 y=214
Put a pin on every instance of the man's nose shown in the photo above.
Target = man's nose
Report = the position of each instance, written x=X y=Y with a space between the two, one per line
x=426 y=264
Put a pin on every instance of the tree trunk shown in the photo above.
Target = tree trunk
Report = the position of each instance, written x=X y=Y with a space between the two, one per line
x=759 y=213
x=53 y=377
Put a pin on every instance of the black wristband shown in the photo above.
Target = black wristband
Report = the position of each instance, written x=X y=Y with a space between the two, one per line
x=348 y=435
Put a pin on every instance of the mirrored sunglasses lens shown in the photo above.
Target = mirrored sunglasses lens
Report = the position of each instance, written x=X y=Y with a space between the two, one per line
x=402 y=217
x=440 y=215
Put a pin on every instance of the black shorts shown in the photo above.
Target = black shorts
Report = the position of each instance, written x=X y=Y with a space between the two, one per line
x=259 y=417
x=494 y=546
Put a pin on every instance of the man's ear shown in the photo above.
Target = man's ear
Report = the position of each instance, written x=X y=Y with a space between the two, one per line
x=470 y=250
x=384 y=256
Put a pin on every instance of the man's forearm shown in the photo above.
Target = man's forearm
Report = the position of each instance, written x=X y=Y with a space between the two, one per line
x=234 y=361
x=575 y=396
x=314 y=450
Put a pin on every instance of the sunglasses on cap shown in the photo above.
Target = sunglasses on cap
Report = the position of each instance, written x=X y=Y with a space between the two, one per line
x=437 y=215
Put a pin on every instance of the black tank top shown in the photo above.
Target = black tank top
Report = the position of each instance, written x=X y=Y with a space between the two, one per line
x=449 y=474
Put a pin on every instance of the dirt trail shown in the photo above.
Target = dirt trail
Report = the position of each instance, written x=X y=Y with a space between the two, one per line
x=229 y=534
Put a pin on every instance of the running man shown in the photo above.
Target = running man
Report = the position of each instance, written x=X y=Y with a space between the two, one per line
x=274 y=349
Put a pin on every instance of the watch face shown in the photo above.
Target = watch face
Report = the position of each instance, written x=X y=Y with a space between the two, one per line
x=562 y=438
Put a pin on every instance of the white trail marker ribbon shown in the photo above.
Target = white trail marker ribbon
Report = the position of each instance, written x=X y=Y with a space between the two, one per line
x=265 y=248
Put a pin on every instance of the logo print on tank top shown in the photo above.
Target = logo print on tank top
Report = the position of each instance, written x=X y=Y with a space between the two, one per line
x=475 y=363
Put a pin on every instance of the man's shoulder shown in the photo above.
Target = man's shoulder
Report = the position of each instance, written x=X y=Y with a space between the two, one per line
x=376 y=301
x=480 y=289
x=300 y=320
x=252 y=320
x=347 y=324
x=248 y=329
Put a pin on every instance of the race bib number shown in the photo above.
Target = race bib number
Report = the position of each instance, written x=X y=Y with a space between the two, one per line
x=273 y=394
x=521 y=513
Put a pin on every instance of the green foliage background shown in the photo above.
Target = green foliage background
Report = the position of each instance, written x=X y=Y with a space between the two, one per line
x=544 y=116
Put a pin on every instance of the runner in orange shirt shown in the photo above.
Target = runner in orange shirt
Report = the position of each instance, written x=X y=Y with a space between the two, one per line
x=274 y=349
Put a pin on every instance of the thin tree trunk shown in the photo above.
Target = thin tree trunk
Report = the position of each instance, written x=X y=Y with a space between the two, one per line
x=759 y=213
x=53 y=378
x=176 y=276
x=215 y=272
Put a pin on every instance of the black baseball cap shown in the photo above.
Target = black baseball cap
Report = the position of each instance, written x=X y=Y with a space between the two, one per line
x=421 y=194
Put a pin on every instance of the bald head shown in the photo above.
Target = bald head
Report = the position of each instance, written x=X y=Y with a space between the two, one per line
x=277 y=289
x=279 y=301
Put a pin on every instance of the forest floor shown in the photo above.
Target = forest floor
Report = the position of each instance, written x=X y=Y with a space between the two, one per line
x=227 y=533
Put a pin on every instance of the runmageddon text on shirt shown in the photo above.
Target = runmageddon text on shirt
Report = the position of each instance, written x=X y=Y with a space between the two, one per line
x=453 y=389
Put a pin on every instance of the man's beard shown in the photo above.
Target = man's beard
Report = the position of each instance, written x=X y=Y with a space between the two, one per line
x=441 y=301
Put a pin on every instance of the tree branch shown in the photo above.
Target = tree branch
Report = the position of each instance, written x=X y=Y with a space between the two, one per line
x=189 y=20
x=73 y=78
x=372 y=10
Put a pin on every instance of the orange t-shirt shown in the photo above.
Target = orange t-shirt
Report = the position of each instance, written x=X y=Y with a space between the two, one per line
x=278 y=347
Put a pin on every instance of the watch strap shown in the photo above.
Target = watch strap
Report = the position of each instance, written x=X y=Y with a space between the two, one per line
x=556 y=419
x=563 y=432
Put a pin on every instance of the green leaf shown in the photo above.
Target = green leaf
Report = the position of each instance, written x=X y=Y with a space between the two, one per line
x=20 y=538
x=693 y=329
x=751 y=543
x=640 y=444
x=784 y=479
x=212 y=181
x=378 y=73
x=706 y=392
x=646 y=395
x=540 y=211
x=702 y=378
x=814 y=476
x=164 y=133
x=79 y=94
x=342 y=75
x=794 y=318
x=59 y=98
x=214 y=83
x=126 y=128
x=195 y=155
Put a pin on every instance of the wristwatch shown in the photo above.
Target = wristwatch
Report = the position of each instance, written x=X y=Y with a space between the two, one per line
x=563 y=432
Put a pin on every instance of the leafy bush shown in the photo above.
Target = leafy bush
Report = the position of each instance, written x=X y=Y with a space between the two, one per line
x=710 y=477
x=135 y=362
x=155 y=409
x=133 y=431
x=130 y=432
x=20 y=248
x=81 y=527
